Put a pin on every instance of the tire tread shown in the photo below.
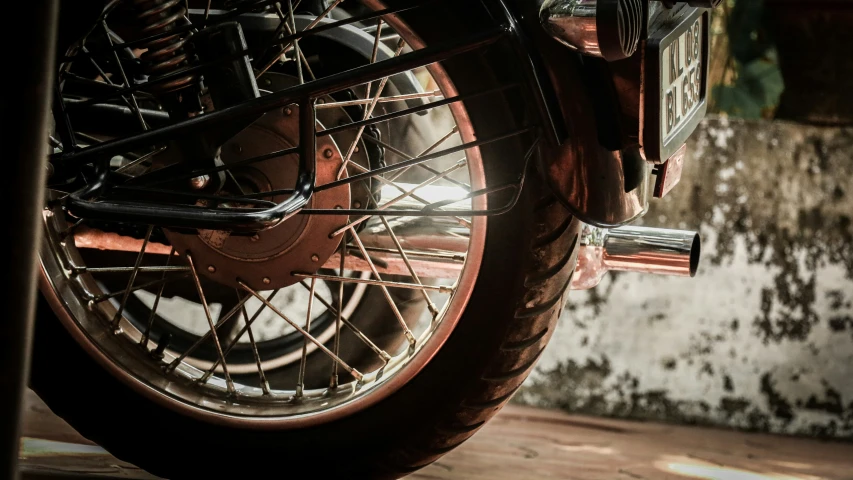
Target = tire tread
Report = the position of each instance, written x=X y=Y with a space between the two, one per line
x=552 y=256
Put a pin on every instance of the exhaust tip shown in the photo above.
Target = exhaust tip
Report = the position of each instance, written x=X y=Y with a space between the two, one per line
x=658 y=251
x=695 y=255
x=653 y=250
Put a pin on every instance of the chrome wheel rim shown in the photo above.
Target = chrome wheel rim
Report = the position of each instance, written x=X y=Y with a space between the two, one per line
x=78 y=300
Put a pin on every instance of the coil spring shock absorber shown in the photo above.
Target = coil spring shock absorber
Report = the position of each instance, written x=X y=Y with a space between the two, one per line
x=166 y=54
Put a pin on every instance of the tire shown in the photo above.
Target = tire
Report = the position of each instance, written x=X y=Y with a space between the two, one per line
x=488 y=356
x=528 y=261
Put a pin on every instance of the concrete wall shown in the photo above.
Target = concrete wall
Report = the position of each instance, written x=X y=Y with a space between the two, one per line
x=763 y=338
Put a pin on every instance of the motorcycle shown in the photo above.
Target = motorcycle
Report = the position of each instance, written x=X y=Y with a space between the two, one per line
x=334 y=236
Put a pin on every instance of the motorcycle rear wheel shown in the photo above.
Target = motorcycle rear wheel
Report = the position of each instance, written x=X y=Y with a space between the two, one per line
x=526 y=264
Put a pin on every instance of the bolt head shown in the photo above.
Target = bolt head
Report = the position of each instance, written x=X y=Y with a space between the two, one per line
x=356 y=149
x=356 y=204
x=266 y=281
x=211 y=269
x=315 y=258
x=255 y=238
x=287 y=111
x=328 y=153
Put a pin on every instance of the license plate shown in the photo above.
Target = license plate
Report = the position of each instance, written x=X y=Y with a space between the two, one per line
x=676 y=84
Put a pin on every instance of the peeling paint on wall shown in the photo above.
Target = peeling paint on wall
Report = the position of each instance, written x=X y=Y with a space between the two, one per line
x=762 y=339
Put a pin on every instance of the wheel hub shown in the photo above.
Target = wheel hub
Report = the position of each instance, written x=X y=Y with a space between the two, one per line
x=301 y=243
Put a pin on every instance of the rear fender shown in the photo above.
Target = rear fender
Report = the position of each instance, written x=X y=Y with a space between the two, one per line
x=593 y=161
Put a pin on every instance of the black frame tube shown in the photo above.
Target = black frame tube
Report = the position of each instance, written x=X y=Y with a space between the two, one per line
x=409 y=111
x=432 y=210
x=418 y=160
x=261 y=105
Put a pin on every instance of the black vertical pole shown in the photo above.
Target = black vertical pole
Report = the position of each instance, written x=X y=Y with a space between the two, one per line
x=29 y=35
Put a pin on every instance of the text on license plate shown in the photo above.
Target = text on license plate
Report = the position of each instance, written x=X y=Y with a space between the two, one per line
x=681 y=78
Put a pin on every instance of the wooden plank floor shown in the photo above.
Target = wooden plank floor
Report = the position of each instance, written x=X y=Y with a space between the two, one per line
x=520 y=444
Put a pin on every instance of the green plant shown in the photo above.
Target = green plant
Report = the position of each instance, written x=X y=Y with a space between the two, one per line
x=745 y=75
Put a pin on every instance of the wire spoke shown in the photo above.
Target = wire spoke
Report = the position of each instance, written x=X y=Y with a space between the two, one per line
x=303 y=360
x=323 y=86
x=291 y=31
x=243 y=52
x=430 y=304
x=389 y=262
x=140 y=160
x=222 y=320
x=376 y=41
x=378 y=283
x=365 y=101
x=150 y=323
x=406 y=194
x=228 y=382
x=152 y=269
x=358 y=333
x=333 y=381
x=235 y=182
x=426 y=151
x=287 y=46
x=418 y=160
x=295 y=42
x=306 y=64
x=391 y=181
x=355 y=373
x=409 y=111
x=236 y=12
x=456 y=257
x=71 y=228
x=368 y=112
x=133 y=273
x=132 y=104
x=239 y=335
x=384 y=288
x=282 y=24
x=101 y=298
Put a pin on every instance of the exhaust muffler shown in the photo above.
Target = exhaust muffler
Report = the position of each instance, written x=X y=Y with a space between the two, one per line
x=635 y=249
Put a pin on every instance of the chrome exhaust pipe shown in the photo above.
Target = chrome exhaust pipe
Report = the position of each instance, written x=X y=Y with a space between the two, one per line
x=635 y=249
